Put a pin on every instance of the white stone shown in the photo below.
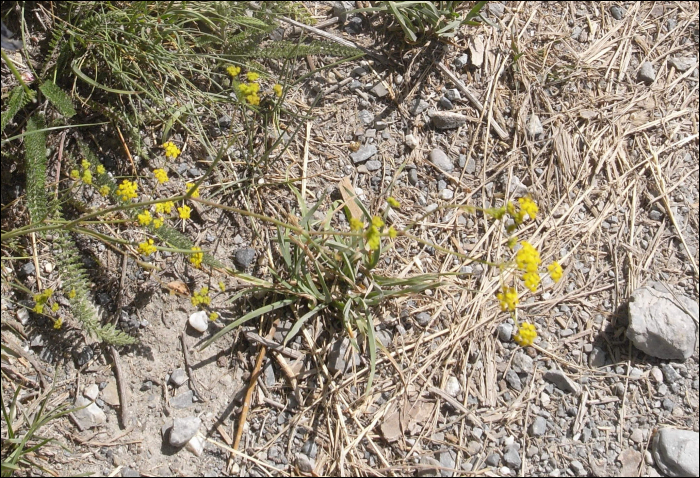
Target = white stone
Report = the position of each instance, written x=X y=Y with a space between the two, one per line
x=411 y=141
x=452 y=387
x=196 y=444
x=199 y=321
x=91 y=392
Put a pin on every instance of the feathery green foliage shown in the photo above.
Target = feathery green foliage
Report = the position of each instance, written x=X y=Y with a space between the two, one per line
x=58 y=98
x=35 y=163
x=77 y=286
x=18 y=98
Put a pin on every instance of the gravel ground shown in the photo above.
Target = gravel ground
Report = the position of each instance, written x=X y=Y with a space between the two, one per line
x=599 y=121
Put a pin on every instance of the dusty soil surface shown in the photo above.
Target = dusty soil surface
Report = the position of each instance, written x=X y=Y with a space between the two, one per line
x=613 y=166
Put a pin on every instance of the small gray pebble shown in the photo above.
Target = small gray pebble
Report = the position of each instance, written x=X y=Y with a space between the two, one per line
x=617 y=12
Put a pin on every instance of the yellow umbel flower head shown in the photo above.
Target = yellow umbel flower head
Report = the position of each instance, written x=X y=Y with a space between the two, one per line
x=526 y=334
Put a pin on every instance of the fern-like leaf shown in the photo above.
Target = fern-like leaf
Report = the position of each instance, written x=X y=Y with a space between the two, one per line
x=18 y=98
x=76 y=286
x=58 y=98
x=35 y=158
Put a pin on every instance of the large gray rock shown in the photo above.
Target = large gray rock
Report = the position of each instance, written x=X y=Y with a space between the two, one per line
x=341 y=356
x=90 y=416
x=447 y=119
x=440 y=159
x=562 y=381
x=662 y=324
x=364 y=153
x=183 y=430
x=676 y=452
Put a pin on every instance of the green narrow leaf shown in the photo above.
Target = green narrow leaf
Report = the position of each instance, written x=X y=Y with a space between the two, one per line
x=251 y=315
x=297 y=325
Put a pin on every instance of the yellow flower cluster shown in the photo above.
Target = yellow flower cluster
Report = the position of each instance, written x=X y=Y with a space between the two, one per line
x=145 y=218
x=41 y=300
x=165 y=207
x=171 y=151
x=201 y=297
x=104 y=190
x=528 y=261
x=197 y=257
x=250 y=91
x=161 y=175
x=127 y=190
x=100 y=169
x=58 y=323
x=527 y=206
x=277 y=89
x=233 y=71
x=508 y=298
x=189 y=186
x=526 y=334
x=184 y=211
x=393 y=202
x=555 y=271
x=146 y=247
x=356 y=224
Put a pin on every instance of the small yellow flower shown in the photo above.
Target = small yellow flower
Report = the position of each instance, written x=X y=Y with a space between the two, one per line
x=527 y=206
x=508 y=298
x=252 y=76
x=127 y=190
x=201 y=297
x=184 y=211
x=75 y=174
x=100 y=169
x=85 y=164
x=213 y=316
x=233 y=71
x=222 y=286
x=278 y=90
x=189 y=186
x=555 y=271
x=146 y=247
x=171 y=151
x=372 y=237
x=532 y=280
x=377 y=222
x=393 y=202
x=87 y=177
x=39 y=308
x=145 y=218
x=526 y=334
x=157 y=223
x=165 y=207
x=54 y=307
x=392 y=232
x=527 y=257
x=161 y=175
x=58 y=324
x=104 y=190
x=253 y=99
x=356 y=224
x=196 y=258
x=71 y=294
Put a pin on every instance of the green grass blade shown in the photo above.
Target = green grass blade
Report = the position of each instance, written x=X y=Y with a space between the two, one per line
x=251 y=315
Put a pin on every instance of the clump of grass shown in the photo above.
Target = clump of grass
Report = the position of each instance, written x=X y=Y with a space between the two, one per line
x=22 y=425
x=421 y=21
